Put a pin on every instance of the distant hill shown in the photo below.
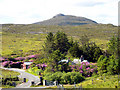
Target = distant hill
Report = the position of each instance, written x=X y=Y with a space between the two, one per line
x=61 y=19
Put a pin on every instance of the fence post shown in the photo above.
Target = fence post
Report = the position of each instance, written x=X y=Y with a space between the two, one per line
x=74 y=85
x=55 y=83
x=41 y=80
x=44 y=82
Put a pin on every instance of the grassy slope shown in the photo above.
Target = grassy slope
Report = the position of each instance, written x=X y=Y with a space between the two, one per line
x=98 y=82
x=23 y=38
x=110 y=82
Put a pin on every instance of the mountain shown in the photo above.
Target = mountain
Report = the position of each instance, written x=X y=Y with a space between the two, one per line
x=61 y=19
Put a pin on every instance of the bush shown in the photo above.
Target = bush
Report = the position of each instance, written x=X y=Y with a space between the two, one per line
x=85 y=68
x=71 y=77
x=65 y=78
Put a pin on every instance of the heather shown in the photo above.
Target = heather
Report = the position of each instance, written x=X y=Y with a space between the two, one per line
x=17 y=62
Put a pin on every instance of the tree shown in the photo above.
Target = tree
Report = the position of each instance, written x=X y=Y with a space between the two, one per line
x=113 y=65
x=54 y=59
x=91 y=52
x=113 y=45
x=49 y=44
x=61 y=42
x=71 y=42
x=102 y=64
x=114 y=49
x=75 y=50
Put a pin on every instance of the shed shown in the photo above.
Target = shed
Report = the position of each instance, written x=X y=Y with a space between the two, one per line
x=26 y=64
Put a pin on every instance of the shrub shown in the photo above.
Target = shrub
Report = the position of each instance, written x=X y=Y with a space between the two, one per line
x=65 y=78
x=85 y=68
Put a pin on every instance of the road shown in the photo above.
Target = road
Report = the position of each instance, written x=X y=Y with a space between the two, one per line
x=26 y=75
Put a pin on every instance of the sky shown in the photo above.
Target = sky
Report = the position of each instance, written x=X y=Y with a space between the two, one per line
x=31 y=11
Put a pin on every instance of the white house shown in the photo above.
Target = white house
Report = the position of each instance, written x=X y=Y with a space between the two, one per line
x=78 y=61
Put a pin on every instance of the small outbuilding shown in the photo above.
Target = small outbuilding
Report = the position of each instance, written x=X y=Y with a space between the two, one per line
x=26 y=64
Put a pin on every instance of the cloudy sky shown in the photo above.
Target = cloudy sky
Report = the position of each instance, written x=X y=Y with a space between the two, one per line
x=31 y=11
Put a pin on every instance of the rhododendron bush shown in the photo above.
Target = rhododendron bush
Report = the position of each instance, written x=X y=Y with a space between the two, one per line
x=41 y=66
x=85 y=68
x=12 y=64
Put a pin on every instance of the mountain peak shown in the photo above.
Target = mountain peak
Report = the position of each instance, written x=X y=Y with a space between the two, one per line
x=61 y=19
x=58 y=15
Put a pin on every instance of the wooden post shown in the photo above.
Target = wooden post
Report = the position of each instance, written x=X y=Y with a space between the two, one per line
x=41 y=80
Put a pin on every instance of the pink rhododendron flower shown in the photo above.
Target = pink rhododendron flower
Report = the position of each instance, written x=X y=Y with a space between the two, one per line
x=80 y=67
x=92 y=70
x=81 y=71
x=87 y=68
x=20 y=58
x=32 y=56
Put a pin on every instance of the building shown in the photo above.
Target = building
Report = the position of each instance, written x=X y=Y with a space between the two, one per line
x=26 y=64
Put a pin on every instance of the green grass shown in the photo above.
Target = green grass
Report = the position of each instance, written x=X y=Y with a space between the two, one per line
x=29 y=39
x=98 y=82
x=16 y=44
x=34 y=71
x=110 y=82
x=9 y=74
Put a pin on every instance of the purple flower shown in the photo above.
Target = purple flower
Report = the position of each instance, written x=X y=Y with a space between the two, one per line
x=80 y=67
x=92 y=70
x=81 y=71
x=43 y=65
x=1 y=58
x=87 y=68
x=88 y=75
x=32 y=56
x=83 y=63
x=87 y=63
x=20 y=58
x=5 y=63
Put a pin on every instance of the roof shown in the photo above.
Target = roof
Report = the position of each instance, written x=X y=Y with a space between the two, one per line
x=28 y=63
